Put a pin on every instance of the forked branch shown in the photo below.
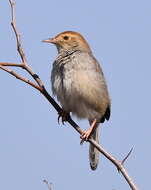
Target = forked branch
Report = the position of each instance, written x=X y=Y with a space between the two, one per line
x=38 y=85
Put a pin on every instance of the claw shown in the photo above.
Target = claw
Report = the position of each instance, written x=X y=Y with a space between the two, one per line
x=81 y=142
x=59 y=119
x=63 y=115
x=86 y=135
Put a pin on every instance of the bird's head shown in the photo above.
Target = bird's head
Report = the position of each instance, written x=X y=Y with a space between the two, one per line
x=69 y=41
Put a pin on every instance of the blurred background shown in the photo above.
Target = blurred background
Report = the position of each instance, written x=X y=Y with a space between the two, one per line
x=33 y=146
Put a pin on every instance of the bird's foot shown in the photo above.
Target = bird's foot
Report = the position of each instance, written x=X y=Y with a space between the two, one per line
x=63 y=115
x=85 y=136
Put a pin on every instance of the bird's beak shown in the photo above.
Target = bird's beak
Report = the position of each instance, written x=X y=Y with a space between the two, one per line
x=50 y=40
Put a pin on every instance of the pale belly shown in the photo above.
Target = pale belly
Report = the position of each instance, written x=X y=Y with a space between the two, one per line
x=68 y=93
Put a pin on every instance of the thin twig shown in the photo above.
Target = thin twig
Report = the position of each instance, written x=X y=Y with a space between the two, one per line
x=117 y=163
x=21 y=78
x=11 y=64
x=27 y=68
x=19 y=46
x=49 y=185
x=13 y=23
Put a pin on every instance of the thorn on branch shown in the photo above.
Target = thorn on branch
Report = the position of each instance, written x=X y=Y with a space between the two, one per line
x=121 y=163
x=126 y=157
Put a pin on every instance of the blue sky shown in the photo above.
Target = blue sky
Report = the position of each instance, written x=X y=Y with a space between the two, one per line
x=33 y=146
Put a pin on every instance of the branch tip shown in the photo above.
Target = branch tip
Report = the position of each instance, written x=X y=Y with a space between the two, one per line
x=49 y=185
x=126 y=157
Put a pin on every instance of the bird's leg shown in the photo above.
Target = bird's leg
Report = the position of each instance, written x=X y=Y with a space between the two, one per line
x=63 y=115
x=86 y=134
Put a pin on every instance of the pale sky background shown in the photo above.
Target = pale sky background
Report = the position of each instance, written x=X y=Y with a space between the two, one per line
x=33 y=146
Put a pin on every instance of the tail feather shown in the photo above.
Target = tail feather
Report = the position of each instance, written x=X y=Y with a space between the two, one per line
x=93 y=152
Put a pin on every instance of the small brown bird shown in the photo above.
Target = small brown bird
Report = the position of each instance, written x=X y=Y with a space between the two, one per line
x=78 y=82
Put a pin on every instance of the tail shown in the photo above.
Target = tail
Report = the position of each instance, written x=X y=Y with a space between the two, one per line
x=93 y=152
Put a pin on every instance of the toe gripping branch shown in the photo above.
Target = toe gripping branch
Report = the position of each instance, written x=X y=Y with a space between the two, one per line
x=64 y=116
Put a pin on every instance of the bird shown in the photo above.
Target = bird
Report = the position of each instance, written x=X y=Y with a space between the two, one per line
x=78 y=82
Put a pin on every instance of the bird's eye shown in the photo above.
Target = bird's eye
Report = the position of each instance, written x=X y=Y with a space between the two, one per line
x=65 y=37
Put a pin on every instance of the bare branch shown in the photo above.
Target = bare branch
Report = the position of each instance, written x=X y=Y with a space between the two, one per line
x=117 y=163
x=19 y=47
x=21 y=78
x=13 y=23
x=49 y=185
x=11 y=64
